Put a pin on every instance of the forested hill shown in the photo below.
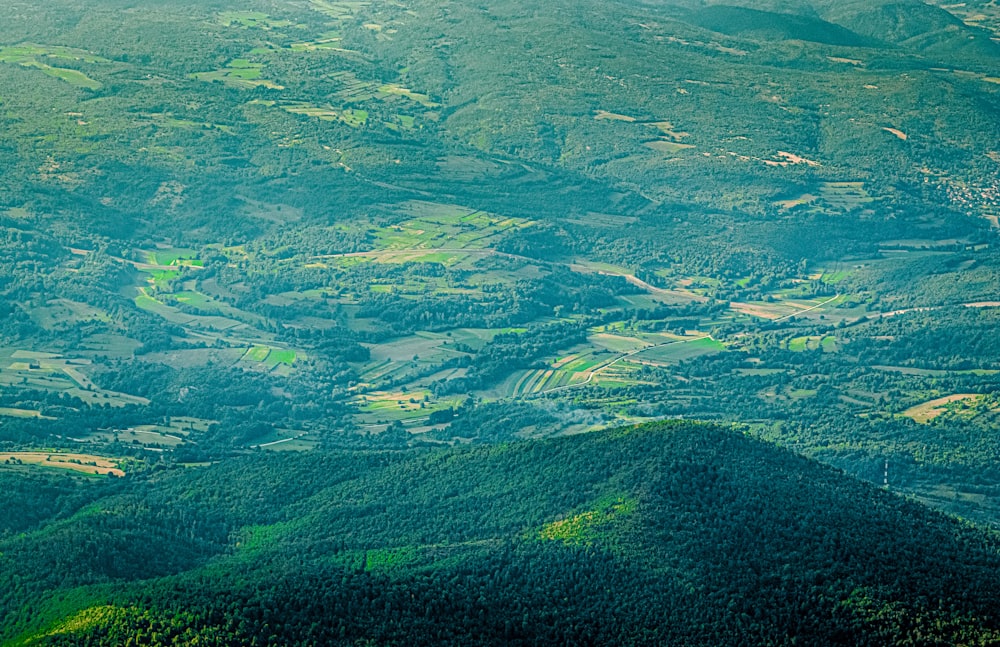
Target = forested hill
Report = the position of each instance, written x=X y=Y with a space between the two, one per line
x=672 y=533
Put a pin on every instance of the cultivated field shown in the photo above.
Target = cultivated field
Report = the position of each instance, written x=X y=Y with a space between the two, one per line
x=927 y=411
x=83 y=463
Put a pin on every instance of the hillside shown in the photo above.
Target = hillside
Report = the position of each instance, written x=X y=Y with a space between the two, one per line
x=671 y=533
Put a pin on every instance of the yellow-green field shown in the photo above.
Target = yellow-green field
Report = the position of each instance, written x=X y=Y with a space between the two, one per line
x=83 y=463
x=927 y=411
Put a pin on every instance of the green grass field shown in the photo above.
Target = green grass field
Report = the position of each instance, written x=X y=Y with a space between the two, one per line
x=30 y=55
x=826 y=343
x=239 y=73
x=73 y=77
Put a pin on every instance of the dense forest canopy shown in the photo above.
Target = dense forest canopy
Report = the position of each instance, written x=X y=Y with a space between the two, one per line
x=291 y=289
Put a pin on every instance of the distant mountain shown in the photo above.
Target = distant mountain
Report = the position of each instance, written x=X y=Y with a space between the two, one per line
x=908 y=24
x=665 y=534
x=764 y=25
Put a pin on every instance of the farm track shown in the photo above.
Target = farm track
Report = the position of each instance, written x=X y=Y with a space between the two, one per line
x=278 y=442
x=815 y=307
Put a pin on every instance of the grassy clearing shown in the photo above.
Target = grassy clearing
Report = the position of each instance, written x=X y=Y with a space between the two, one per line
x=667 y=146
x=280 y=356
x=239 y=73
x=194 y=299
x=604 y=115
x=791 y=203
x=83 y=463
x=73 y=77
x=924 y=413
